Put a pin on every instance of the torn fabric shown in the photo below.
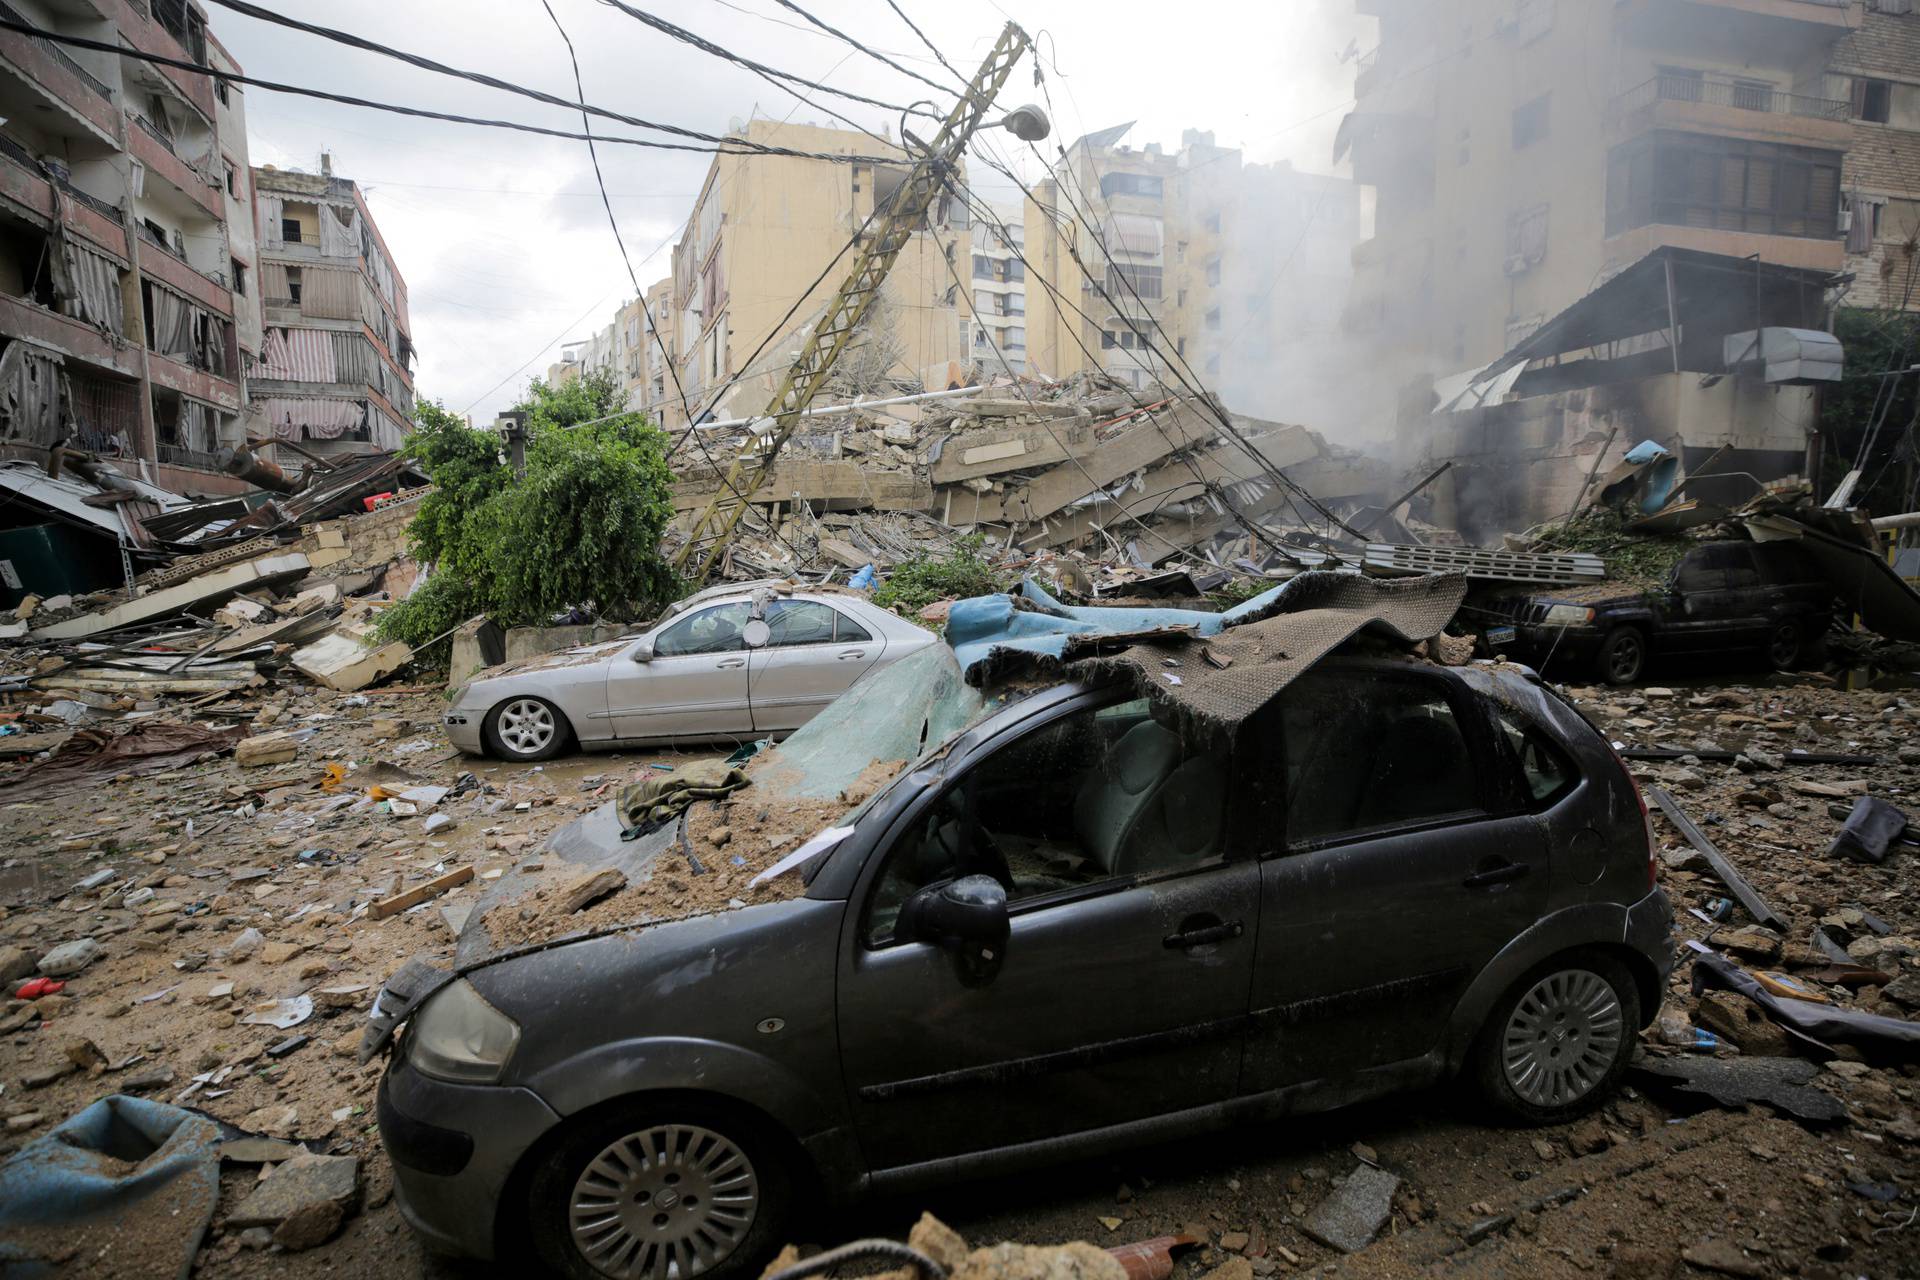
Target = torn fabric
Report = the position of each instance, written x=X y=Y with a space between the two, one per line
x=652 y=803
x=146 y=748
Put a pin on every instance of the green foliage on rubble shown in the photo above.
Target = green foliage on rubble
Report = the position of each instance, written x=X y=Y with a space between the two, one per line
x=914 y=584
x=581 y=528
x=1876 y=342
x=1631 y=558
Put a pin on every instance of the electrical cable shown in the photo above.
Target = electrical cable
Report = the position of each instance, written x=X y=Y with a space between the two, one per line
x=761 y=69
x=440 y=68
x=931 y=46
x=726 y=146
x=871 y=53
x=634 y=278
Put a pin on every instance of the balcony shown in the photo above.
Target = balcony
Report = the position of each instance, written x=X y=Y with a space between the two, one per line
x=153 y=149
x=65 y=97
x=60 y=55
x=1781 y=26
x=1732 y=108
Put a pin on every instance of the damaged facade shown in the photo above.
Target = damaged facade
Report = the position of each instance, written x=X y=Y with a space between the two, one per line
x=335 y=370
x=120 y=282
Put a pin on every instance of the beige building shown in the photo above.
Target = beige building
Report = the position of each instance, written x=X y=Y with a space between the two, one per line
x=762 y=229
x=1240 y=265
x=1876 y=68
x=335 y=371
x=1522 y=151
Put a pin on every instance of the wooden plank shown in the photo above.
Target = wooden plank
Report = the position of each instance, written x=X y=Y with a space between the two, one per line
x=419 y=893
x=1737 y=885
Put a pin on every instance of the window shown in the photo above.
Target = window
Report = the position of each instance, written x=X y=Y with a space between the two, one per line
x=1699 y=570
x=1016 y=338
x=982 y=267
x=1530 y=121
x=1544 y=771
x=712 y=630
x=290 y=230
x=239 y=270
x=1125 y=278
x=796 y=622
x=1212 y=222
x=1752 y=95
x=1213 y=269
x=1095 y=796
x=1365 y=751
x=1213 y=319
x=1130 y=184
x=1109 y=339
x=1872 y=100
x=233 y=182
x=1728 y=184
x=1681 y=84
x=293 y=285
x=1016 y=304
x=1016 y=271
x=220 y=91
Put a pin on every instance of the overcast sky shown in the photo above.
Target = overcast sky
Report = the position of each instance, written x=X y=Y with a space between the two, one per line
x=501 y=237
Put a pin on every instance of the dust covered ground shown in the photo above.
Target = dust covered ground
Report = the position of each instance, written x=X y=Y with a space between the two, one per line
x=1652 y=1186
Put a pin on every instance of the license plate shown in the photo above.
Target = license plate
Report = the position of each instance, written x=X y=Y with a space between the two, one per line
x=1500 y=635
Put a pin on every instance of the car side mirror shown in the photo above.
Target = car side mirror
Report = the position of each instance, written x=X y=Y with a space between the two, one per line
x=643 y=652
x=756 y=633
x=967 y=916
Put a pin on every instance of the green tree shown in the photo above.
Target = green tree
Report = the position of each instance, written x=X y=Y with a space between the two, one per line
x=581 y=528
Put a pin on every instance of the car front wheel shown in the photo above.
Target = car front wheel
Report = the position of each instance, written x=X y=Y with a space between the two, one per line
x=1623 y=656
x=526 y=728
x=660 y=1192
x=1558 y=1042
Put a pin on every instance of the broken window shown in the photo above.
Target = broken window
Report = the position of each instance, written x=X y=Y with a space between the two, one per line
x=1526 y=238
x=1213 y=320
x=1872 y=100
x=1213 y=269
x=290 y=230
x=1728 y=184
x=1545 y=773
x=1142 y=280
x=1366 y=752
x=293 y=285
x=1131 y=184
x=1097 y=796
x=233 y=183
x=1863 y=222
x=239 y=270
x=1530 y=121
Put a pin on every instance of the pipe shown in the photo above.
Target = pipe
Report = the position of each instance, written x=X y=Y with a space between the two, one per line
x=1908 y=520
x=238 y=460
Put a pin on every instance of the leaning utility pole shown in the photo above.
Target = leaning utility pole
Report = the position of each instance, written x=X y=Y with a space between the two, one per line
x=713 y=527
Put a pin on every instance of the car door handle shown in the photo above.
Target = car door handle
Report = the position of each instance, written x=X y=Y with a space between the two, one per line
x=1190 y=938
x=852 y=653
x=1500 y=873
x=728 y=663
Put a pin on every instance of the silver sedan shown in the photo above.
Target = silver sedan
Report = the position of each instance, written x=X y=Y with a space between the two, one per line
x=738 y=662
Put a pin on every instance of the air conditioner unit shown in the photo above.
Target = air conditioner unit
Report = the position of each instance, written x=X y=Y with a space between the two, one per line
x=1783 y=356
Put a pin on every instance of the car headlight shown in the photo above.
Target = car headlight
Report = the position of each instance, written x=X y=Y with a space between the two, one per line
x=458 y=1036
x=1567 y=615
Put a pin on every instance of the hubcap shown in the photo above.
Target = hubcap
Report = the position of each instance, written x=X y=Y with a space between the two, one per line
x=526 y=725
x=1786 y=646
x=1626 y=659
x=669 y=1203
x=1561 y=1038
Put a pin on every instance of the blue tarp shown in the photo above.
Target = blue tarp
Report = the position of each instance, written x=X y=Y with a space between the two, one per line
x=1040 y=624
x=1663 y=469
x=99 y=1168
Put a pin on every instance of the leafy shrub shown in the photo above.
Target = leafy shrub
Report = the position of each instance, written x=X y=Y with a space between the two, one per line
x=962 y=572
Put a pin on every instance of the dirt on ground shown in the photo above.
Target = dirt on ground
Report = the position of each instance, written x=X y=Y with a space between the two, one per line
x=1657 y=1183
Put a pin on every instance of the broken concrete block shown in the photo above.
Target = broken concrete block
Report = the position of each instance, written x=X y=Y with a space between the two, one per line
x=211 y=587
x=267 y=748
x=590 y=889
x=296 y=1186
x=342 y=661
x=14 y=963
x=1349 y=1219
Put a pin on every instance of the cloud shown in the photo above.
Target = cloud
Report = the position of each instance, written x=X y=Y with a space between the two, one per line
x=501 y=237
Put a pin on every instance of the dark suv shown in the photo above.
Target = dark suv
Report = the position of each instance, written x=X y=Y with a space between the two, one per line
x=1762 y=600
x=1077 y=925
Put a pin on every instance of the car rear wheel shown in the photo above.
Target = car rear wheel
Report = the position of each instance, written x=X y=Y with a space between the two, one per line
x=526 y=728
x=1783 y=646
x=1623 y=656
x=1557 y=1043
x=660 y=1192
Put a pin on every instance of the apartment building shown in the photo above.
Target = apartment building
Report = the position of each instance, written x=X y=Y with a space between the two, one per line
x=1523 y=151
x=1527 y=154
x=997 y=319
x=1875 y=67
x=335 y=370
x=763 y=228
x=1226 y=267
x=122 y=283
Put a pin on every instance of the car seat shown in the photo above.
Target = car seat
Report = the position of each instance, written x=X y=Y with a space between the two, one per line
x=1142 y=808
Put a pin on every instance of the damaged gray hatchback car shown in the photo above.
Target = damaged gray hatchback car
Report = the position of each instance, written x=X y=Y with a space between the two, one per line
x=1078 y=919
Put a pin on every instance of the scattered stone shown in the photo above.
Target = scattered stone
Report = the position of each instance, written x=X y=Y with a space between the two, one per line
x=589 y=889
x=1724 y=1257
x=267 y=748
x=15 y=963
x=297 y=1185
x=1349 y=1219
x=280 y=952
